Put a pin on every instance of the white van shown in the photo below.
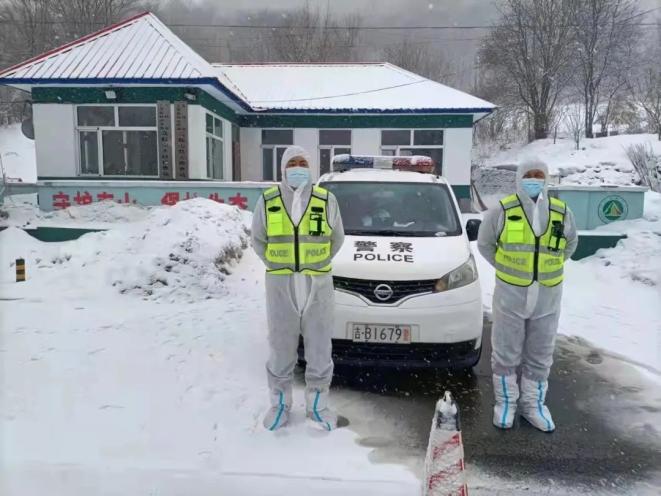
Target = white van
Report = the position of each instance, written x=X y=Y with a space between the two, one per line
x=407 y=292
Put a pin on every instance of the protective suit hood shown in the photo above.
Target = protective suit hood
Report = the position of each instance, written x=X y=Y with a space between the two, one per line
x=291 y=152
x=524 y=167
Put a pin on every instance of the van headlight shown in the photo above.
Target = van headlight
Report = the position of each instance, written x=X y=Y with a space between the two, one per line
x=459 y=277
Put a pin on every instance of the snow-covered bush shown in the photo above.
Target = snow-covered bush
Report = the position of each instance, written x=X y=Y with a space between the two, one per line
x=647 y=165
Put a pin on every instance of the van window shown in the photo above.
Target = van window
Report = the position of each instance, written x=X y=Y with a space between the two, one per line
x=395 y=209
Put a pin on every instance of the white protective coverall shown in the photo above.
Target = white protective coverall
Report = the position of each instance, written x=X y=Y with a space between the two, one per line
x=298 y=304
x=525 y=319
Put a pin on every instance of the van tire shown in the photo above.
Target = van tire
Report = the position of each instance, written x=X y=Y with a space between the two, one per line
x=477 y=359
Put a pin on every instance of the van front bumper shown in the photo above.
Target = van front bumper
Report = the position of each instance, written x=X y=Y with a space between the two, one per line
x=415 y=355
x=446 y=330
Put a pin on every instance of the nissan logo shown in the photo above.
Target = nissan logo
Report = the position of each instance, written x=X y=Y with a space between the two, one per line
x=383 y=292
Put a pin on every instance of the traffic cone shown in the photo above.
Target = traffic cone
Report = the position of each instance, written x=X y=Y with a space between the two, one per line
x=444 y=464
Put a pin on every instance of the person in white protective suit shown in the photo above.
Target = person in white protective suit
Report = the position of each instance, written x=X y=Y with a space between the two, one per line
x=527 y=238
x=296 y=231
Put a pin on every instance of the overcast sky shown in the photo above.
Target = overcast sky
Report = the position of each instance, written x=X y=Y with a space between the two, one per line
x=459 y=46
x=402 y=12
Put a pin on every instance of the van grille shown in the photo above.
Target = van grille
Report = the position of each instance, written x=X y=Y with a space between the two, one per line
x=400 y=289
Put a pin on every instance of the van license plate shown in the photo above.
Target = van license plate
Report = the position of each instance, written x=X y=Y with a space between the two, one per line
x=381 y=333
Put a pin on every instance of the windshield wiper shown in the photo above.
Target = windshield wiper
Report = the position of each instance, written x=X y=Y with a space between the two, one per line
x=393 y=232
x=357 y=232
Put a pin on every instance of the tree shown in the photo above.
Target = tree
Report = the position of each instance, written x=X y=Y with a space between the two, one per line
x=574 y=119
x=27 y=29
x=419 y=58
x=605 y=35
x=77 y=18
x=32 y=27
x=647 y=91
x=313 y=35
x=530 y=49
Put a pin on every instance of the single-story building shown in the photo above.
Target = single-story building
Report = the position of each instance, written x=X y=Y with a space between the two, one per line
x=134 y=102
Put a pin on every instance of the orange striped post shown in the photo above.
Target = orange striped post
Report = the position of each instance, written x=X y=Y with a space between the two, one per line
x=20 y=270
x=444 y=464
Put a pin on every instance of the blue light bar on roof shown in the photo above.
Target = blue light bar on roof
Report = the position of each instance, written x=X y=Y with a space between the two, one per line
x=347 y=162
x=415 y=163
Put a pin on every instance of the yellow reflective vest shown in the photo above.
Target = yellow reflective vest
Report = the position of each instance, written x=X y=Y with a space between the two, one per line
x=522 y=257
x=304 y=248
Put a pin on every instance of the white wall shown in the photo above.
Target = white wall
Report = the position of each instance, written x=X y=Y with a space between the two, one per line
x=55 y=140
x=251 y=154
x=366 y=142
x=456 y=150
x=197 y=145
x=458 y=143
x=308 y=138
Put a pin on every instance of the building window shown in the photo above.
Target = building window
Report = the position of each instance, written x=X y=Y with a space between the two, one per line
x=117 y=140
x=405 y=142
x=332 y=142
x=214 y=132
x=274 y=144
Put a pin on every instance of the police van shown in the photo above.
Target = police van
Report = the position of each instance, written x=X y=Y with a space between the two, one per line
x=407 y=292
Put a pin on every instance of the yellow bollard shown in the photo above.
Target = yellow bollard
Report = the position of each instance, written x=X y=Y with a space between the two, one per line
x=20 y=270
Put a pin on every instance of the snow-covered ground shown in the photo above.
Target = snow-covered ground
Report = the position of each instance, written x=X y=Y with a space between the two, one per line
x=598 y=161
x=17 y=154
x=132 y=361
x=129 y=363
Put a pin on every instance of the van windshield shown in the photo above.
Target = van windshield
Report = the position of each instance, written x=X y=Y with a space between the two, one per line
x=395 y=209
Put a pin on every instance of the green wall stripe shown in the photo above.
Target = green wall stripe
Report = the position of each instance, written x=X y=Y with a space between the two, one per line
x=588 y=245
x=58 y=234
x=83 y=95
x=131 y=95
x=461 y=190
x=358 y=121
x=210 y=103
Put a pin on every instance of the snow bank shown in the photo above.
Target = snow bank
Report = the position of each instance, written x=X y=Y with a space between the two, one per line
x=23 y=211
x=180 y=252
x=101 y=390
x=598 y=161
x=17 y=153
x=638 y=257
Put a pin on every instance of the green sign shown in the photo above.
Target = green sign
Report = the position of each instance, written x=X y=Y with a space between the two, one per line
x=613 y=208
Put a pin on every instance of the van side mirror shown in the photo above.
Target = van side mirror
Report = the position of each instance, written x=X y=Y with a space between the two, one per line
x=472 y=228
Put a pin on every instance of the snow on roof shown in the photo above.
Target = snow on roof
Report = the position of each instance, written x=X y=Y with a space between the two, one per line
x=143 y=50
x=351 y=87
x=139 y=47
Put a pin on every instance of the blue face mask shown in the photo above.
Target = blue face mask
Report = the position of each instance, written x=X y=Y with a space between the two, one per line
x=532 y=186
x=296 y=176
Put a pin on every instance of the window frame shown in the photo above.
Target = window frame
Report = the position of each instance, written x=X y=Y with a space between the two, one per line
x=99 y=137
x=214 y=136
x=274 y=151
x=396 y=148
x=333 y=147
